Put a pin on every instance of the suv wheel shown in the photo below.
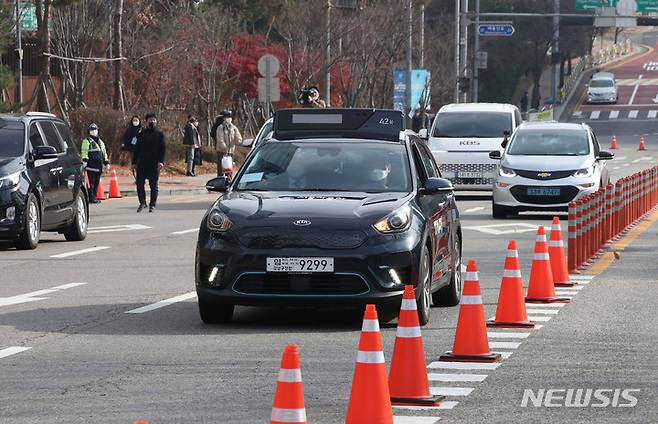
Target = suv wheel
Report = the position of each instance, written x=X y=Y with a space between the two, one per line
x=77 y=230
x=215 y=314
x=451 y=294
x=423 y=293
x=29 y=238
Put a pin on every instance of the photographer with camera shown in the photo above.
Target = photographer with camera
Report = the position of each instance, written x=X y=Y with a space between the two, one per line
x=310 y=97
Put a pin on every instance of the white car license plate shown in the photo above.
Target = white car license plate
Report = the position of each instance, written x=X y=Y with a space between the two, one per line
x=465 y=174
x=300 y=264
x=543 y=191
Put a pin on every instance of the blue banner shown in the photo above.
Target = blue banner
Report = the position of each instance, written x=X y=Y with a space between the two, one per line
x=420 y=89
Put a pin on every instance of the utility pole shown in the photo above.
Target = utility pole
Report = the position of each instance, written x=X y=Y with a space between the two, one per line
x=476 y=47
x=327 y=56
x=410 y=47
x=422 y=36
x=457 y=58
x=555 y=55
x=19 y=58
x=463 y=48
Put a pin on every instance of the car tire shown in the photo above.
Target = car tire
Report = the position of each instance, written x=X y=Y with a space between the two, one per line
x=451 y=294
x=215 y=313
x=423 y=294
x=29 y=238
x=498 y=212
x=77 y=230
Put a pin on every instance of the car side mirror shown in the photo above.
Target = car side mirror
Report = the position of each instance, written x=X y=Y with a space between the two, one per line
x=45 y=152
x=606 y=155
x=247 y=142
x=437 y=185
x=495 y=155
x=423 y=133
x=218 y=184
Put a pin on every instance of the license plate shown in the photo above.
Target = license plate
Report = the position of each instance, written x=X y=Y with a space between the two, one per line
x=461 y=174
x=300 y=265
x=544 y=191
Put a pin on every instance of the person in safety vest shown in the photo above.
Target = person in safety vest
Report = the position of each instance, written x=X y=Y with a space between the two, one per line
x=94 y=157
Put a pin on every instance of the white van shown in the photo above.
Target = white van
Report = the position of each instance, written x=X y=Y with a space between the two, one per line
x=462 y=136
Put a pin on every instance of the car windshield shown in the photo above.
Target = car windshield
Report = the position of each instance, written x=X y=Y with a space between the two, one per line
x=264 y=132
x=601 y=83
x=325 y=166
x=12 y=143
x=472 y=124
x=549 y=143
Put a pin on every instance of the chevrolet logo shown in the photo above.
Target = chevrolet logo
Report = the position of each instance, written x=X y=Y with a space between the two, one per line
x=543 y=174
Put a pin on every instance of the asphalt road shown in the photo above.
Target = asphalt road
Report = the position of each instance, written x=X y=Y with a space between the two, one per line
x=71 y=351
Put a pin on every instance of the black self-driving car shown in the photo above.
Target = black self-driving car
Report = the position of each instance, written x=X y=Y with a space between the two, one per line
x=41 y=180
x=340 y=207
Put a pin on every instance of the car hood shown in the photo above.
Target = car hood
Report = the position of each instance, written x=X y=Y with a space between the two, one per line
x=326 y=209
x=547 y=163
x=10 y=165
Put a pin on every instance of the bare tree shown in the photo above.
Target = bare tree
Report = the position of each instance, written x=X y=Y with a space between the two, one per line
x=43 y=8
x=118 y=53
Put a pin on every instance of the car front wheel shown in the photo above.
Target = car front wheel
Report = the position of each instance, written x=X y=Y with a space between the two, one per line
x=29 y=238
x=215 y=314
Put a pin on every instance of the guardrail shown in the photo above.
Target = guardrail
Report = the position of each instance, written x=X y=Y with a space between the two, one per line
x=602 y=218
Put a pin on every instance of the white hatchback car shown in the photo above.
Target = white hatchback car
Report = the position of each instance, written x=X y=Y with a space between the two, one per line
x=547 y=165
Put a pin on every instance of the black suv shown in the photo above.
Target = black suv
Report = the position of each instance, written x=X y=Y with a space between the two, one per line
x=41 y=180
x=339 y=207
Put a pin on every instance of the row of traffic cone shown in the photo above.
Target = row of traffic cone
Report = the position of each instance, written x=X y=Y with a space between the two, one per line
x=613 y=144
x=115 y=192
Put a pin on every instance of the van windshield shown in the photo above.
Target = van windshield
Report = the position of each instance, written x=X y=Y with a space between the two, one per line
x=472 y=124
x=12 y=143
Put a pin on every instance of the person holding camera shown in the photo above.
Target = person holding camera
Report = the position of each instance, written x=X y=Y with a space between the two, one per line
x=310 y=98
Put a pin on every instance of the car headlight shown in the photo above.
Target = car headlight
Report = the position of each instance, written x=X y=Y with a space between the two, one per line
x=584 y=173
x=11 y=180
x=395 y=222
x=504 y=171
x=218 y=222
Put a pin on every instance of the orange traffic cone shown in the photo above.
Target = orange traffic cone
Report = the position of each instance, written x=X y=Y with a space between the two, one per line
x=100 y=193
x=370 y=401
x=613 y=145
x=288 y=404
x=141 y=422
x=87 y=183
x=558 y=258
x=541 y=288
x=115 y=193
x=642 y=147
x=471 y=342
x=407 y=380
x=511 y=312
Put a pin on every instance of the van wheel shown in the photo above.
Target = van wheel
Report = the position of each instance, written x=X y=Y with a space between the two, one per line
x=77 y=230
x=29 y=238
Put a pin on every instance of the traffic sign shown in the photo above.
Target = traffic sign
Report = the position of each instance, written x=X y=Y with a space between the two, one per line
x=592 y=5
x=481 y=59
x=269 y=90
x=640 y=6
x=268 y=65
x=496 y=30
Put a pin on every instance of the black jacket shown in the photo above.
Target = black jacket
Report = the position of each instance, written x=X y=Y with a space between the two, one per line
x=191 y=136
x=127 y=140
x=150 y=149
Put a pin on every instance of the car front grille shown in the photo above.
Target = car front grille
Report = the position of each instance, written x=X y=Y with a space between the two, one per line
x=488 y=169
x=301 y=284
x=544 y=175
x=282 y=238
x=567 y=194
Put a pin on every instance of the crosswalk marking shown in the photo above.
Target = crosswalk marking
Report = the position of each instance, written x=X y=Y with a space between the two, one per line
x=538 y=318
x=506 y=335
x=453 y=378
x=633 y=114
x=504 y=345
x=463 y=365
x=529 y=306
x=544 y=311
x=614 y=114
x=595 y=115
x=414 y=420
x=652 y=114
x=618 y=114
x=451 y=391
x=446 y=404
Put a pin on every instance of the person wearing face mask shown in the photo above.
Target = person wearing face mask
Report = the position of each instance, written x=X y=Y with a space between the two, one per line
x=228 y=136
x=192 y=143
x=148 y=161
x=94 y=157
x=378 y=175
x=129 y=139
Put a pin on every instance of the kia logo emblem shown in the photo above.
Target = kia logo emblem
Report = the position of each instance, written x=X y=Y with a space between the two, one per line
x=302 y=223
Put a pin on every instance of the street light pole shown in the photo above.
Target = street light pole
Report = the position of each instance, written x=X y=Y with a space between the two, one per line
x=463 y=47
x=422 y=36
x=476 y=47
x=327 y=57
x=19 y=58
x=410 y=46
x=555 y=56
x=457 y=58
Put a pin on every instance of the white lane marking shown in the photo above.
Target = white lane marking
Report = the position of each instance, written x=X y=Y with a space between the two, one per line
x=414 y=420
x=79 y=252
x=12 y=351
x=471 y=210
x=616 y=158
x=451 y=391
x=117 y=228
x=504 y=345
x=452 y=378
x=529 y=306
x=506 y=335
x=633 y=114
x=578 y=114
x=595 y=114
x=504 y=355
x=498 y=229
x=614 y=114
x=580 y=277
x=463 y=365
x=544 y=311
x=652 y=114
x=446 y=404
x=637 y=85
x=35 y=295
x=566 y=292
x=644 y=158
x=191 y=230
x=163 y=303
x=538 y=318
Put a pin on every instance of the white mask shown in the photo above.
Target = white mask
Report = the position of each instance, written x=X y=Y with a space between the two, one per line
x=135 y=123
x=93 y=133
x=377 y=174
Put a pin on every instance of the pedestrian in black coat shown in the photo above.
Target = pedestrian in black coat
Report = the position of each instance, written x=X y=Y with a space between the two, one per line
x=148 y=161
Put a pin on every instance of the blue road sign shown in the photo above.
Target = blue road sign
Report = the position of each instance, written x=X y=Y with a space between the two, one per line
x=496 y=30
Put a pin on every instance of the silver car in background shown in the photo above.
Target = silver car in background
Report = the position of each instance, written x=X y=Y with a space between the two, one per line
x=602 y=88
x=547 y=165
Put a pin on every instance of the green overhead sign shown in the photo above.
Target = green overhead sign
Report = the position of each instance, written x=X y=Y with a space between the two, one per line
x=639 y=6
x=647 y=5
x=28 y=15
x=591 y=5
